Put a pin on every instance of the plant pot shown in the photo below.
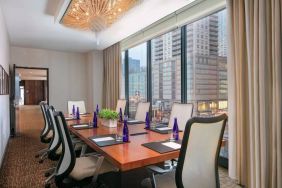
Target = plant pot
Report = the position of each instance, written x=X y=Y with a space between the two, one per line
x=109 y=122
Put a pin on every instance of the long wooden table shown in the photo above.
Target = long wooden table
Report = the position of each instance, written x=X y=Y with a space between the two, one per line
x=127 y=156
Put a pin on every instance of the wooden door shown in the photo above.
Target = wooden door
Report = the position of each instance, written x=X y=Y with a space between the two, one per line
x=34 y=92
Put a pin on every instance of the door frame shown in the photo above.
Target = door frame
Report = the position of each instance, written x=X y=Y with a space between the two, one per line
x=13 y=110
x=38 y=68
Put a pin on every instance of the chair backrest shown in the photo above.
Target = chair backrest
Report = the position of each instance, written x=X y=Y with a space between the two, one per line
x=55 y=142
x=142 y=108
x=79 y=104
x=198 y=159
x=183 y=112
x=46 y=127
x=121 y=103
x=67 y=160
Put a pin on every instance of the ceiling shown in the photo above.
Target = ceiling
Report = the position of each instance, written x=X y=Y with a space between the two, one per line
x=30 y=23
x=32 y=74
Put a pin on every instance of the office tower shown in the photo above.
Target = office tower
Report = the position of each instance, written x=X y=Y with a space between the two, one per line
x=206 y=62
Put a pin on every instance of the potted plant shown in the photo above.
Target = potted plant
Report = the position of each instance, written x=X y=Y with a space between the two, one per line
x=108 y=117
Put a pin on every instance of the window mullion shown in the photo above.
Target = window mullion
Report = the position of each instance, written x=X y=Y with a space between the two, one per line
x=149 y=75
x=126 y=75
x=183 y=65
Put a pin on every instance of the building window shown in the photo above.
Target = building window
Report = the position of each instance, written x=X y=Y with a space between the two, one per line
x=166 y=74
x=207 y=67
x=137 y=77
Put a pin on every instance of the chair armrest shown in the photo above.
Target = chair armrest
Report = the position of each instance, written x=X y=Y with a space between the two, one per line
x=158 y=170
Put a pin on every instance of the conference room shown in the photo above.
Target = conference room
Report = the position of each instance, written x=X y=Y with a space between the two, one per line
x=141 y=93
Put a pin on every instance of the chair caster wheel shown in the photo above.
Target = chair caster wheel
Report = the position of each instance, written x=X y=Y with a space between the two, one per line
x=47 y=185
x=41 y=161
x=47 y=174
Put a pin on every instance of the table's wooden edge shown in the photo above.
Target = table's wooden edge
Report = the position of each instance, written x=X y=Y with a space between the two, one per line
x=127 y=166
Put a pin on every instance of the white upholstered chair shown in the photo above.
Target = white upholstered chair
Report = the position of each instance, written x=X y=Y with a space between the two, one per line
x=79 y=104
x=142 y=109
x=198 y=159
x=183 y=112
x=121 y=103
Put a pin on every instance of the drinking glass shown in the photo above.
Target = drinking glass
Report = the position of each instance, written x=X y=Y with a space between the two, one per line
x=171 y=139
x=119 y=137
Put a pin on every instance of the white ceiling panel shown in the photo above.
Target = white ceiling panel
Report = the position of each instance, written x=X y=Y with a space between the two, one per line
x=31 y=23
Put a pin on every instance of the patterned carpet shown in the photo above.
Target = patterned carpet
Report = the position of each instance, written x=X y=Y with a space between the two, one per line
x=21 y=169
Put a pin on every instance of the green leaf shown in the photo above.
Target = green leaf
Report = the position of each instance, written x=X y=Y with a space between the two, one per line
x=108 y=114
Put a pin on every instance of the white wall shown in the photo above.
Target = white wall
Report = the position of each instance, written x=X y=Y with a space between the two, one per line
x=4 y=99
x=95 y=78
x=67 y=73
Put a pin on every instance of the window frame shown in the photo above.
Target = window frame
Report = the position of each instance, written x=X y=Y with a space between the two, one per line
x=184 y=73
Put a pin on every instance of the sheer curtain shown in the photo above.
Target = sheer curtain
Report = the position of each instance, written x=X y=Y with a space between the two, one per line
x=112 y=63
x=255 y=30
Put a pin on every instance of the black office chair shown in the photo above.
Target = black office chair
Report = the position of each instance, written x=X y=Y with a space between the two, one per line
x=198 y=160
x=46 y=133
x=72 y=171
x=54 y=151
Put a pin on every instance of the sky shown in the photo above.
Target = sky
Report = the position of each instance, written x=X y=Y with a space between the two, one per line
x=139 y=52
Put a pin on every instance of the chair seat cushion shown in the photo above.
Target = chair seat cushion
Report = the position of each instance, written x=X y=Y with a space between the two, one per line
x=49 y=135
x=86 y=166
x=59 y=150
x=166 y=180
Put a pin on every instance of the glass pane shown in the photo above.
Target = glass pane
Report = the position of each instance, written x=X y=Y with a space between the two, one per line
x=166 y=74
x=122 y=84
x=207 y=66
x=137 y=69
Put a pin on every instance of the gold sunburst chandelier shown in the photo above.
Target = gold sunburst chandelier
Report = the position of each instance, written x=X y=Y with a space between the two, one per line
x=95 y=15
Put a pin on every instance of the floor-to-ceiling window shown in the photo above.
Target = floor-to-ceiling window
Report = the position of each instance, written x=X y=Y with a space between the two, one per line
x=166 y=74
x=187 y=64
x=137 y=76
x=207 y=66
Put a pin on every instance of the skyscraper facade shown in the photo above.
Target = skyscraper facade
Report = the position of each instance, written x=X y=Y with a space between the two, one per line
x=206 y=63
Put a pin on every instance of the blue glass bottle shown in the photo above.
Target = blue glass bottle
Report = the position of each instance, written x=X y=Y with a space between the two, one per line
x=77 y=113
x=147 y=121
x=95 y=120
x=175 y=130
x=125 y=137
x=73 y=111
x=120 y=115
x=97 y=109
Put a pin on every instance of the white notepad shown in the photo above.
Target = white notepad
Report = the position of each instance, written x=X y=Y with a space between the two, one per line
x=80 y=126
x=103 y=139
x=164 y=128
x=172 y=145
x=68 y=118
